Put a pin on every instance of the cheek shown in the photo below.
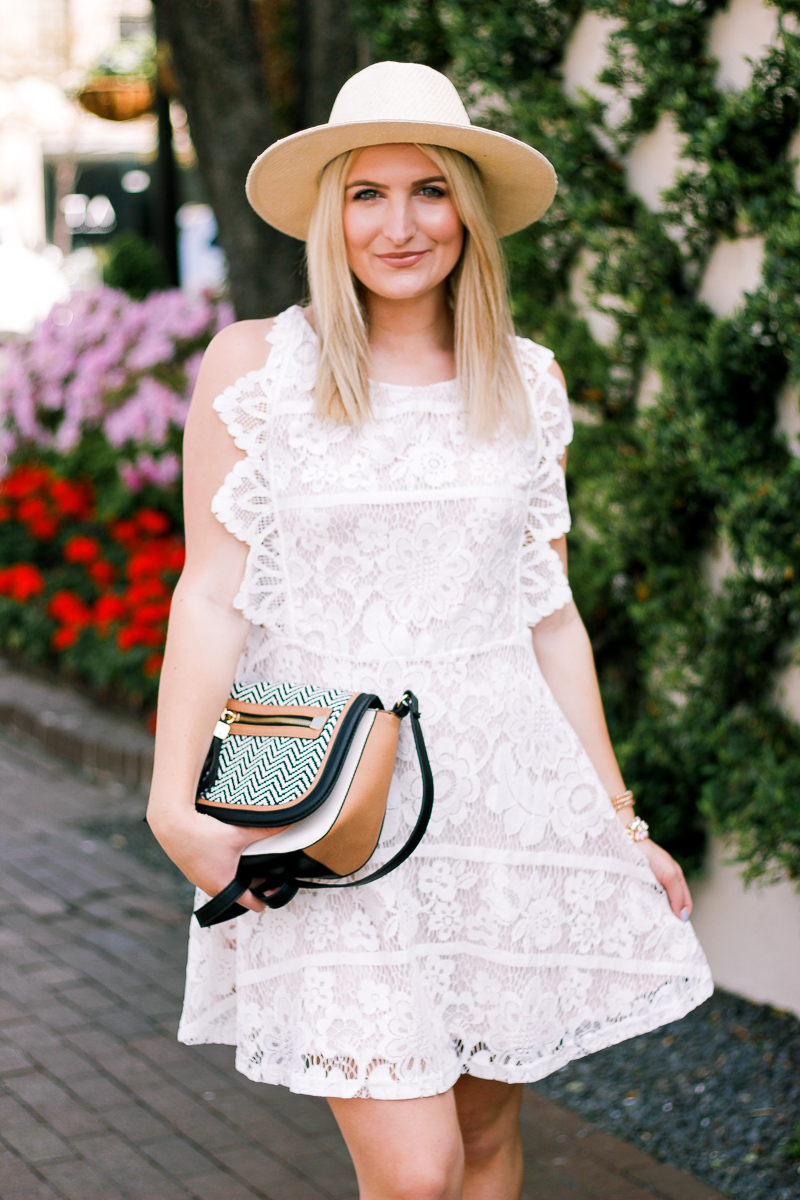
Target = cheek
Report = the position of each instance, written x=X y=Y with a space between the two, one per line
x=358 y=225
x=444 y=224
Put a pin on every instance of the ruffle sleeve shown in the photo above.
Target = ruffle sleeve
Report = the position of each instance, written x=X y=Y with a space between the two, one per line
x=245 y=502
x=543 y=582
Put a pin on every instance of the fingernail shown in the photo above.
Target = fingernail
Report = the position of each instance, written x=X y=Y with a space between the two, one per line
x=684 y=914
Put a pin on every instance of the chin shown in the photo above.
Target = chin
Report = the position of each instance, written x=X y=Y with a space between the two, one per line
x=402 y=289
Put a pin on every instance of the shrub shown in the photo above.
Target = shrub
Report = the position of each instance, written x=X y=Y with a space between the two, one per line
x=134 y=266
x=87 y=595
x=100 y=391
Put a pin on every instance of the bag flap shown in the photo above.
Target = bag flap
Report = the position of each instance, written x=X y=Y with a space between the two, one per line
x=276 y=770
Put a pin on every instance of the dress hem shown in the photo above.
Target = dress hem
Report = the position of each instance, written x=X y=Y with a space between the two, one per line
x=612 y=1035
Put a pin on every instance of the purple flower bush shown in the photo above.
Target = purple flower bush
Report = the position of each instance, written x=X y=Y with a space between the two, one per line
x=101 y=389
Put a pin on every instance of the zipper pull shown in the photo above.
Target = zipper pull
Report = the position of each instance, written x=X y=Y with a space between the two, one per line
x=223 y=725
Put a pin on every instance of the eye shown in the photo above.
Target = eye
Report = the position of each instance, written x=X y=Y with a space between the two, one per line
x=432 y=191
x=365 y=194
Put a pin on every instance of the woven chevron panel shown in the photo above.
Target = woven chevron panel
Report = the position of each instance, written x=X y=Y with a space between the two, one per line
x=273 y=770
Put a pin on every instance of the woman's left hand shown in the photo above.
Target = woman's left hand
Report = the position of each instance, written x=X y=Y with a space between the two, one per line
x=670 y=876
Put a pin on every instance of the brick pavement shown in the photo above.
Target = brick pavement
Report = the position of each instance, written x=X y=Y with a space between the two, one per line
x=97 y=1099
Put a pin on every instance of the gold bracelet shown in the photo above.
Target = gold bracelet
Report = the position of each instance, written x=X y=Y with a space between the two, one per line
x=623 y=800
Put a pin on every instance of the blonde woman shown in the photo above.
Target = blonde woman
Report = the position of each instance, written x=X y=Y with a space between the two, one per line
x=382 y=505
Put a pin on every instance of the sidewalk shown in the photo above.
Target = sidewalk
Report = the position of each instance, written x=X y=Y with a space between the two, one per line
x=99 y=1102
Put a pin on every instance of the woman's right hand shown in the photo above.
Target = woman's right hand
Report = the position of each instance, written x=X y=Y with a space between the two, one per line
x=207 y=851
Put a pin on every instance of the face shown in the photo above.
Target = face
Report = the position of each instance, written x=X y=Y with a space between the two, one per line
x=401 y=228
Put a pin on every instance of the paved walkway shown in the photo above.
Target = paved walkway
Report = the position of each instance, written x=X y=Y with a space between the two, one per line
x=99 y=1102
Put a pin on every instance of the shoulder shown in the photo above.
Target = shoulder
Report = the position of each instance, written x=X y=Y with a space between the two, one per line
x=555 y=370
x=537 y=361
x=234 y=351
x=548 y=391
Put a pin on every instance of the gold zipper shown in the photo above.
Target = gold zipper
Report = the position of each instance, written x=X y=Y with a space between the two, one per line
x=229 y=718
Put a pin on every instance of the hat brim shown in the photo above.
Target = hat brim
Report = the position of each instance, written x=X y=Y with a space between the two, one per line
x=283 y=182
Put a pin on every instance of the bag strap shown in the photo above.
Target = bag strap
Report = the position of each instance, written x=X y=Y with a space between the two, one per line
x=223 y=906
x=408 y=706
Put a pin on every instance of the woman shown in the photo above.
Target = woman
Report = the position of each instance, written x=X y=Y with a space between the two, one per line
x=389 y=511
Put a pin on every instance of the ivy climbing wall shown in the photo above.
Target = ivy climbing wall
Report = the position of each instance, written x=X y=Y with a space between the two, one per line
x=666 y=278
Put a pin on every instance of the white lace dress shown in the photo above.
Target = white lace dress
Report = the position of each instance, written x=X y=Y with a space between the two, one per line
x=527 y=929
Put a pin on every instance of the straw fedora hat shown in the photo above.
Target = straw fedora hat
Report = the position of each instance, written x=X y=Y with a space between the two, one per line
x=398 y=102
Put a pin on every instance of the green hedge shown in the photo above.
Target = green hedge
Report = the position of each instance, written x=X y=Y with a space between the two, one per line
x=687 y=672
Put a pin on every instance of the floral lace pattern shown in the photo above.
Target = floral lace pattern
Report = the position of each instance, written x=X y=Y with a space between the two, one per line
x=526 y=929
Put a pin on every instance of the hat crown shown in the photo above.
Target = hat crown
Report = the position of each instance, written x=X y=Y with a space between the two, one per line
x=398 y=91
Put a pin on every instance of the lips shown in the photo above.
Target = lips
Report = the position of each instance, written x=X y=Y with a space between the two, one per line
x=403 y=259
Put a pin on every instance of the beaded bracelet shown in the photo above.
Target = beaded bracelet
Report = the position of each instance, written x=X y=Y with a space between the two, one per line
x=638 y=830
x=623 y=800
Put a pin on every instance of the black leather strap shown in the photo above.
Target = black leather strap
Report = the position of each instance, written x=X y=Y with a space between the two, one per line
x=425 y=809
x=223 y=907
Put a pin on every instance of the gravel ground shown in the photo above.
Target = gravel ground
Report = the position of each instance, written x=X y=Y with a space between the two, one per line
x=717 y=1094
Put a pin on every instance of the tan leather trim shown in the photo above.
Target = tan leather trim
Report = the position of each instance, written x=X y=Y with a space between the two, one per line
x=292 y=731
x=354 y=836
x=291 y=803
x=279 y=710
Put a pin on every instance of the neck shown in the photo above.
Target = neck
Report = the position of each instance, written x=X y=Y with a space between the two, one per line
x=411 y=341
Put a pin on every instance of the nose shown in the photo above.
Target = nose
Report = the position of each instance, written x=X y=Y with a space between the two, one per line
x=399 y=226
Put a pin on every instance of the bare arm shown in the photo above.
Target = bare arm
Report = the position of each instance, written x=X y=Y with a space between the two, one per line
x=206 y=633
x=564 y=654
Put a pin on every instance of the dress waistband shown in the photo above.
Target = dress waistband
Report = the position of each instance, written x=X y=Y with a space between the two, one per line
x=276 y=644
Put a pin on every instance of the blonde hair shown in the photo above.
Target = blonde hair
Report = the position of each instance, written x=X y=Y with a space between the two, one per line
x=486 y=361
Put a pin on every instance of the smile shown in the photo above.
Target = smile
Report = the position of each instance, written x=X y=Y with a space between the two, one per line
x=403 y=259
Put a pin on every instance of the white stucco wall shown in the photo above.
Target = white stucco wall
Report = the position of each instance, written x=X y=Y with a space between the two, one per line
x=653 y=164
x=738 y=36
x=586 y=56
x=602 y=325
x=787 y=416
x=751 y=935
x=649 y=387
x=734 y=268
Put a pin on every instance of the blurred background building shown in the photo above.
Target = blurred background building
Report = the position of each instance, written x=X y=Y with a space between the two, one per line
x=71 y=181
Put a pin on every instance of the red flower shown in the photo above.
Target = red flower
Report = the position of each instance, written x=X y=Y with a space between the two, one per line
x=124 y=532
x=109 y=608
x=21 y=581
x=147 y=563
x=152 y=614
x=153 y=664
x=175 y=559
x=75 y=500
x=139 y=635
x=69 y=609
x=149 y=520
x=35 y=514
x=44 y=529
x=102 y=573
x=24 y=481
x=144 y=590
x=82 y=550
x=62 y=639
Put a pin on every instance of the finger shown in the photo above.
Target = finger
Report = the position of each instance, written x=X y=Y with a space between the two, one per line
x=676 y=892
x=686 y=910
x=248 y=900
x=247 y=837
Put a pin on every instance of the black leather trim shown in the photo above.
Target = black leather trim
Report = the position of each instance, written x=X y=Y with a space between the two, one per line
x=208 y=775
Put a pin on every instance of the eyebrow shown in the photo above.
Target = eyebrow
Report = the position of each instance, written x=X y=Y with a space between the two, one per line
x=416 y=183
